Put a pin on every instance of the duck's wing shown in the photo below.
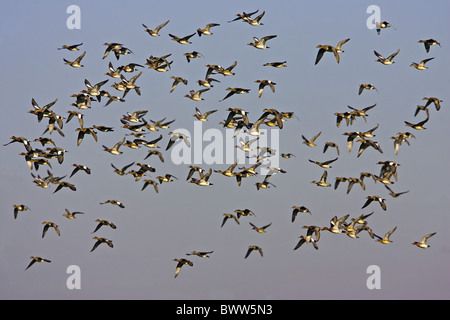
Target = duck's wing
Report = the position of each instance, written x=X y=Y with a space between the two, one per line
x=44 y=231
x=31 y=263
x=319 y=55
x=341 y=43
x=393 y=55
x=389 y=233
x=96 y=245
x=161 y=26
x=300 y=243
x=186 y=140
x=80 y=57
x=315 y=137
x=336 y=54
x=250 y=249
x=368 y=201
x=378 y=55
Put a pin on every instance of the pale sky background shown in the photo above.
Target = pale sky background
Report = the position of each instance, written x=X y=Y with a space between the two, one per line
x=153 y=229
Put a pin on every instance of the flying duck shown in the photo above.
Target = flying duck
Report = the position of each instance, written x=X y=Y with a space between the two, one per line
x=155 y=32
x=181 y=262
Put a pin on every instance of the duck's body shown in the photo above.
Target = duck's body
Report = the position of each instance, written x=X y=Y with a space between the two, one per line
x=323 y=180
x=19 y=208
x=207 y=30
x=261 y=43
x=261 y=229
x=435 y=101
x=336 y=225
x=182 y=40
x=155 y=31
x=229 y=171
x=203 y=116
x=177 y=136
x=201 y=254
x=73 y=47
x=388 y=60
x=306 y=239
x=204 y=179
x=329 y=48
x=382 y=25
x=181 y=262
x=114 y=202
x=366 y=86
x=48 y=225
x=36 y=259
x=77 y=62
x=104 y=223
x=324 y=164
x=229 y=216
x=100 y=241
x=310 y=142
x=378 y=199
x=262 y=84
x=152 y=182
x=277 y=64
x=235 y=91
x=421 y=64
x=253 y=248
x=71 y=215
x=166 y=178
x=298 y=209
x=423 y=243
x=93 y=90
x=428 y=43
x=115 y=149
x=196 y=95
x=386 y=238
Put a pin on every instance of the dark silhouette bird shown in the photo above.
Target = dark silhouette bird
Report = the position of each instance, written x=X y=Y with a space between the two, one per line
x=181 y=262
x=100 y=241
x=36 y=259
x=253 y=248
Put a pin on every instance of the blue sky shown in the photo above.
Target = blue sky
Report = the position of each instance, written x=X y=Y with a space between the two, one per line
x=153 y=229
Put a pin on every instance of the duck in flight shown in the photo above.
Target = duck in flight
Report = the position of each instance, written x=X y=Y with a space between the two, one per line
x=421 y=64
x=73 y=47
x=311 y=142
x=386 y=238
x=428 y=43
x=177 y=136
x=261 y=229
x=181 y=262
x=229 y=216
x=388 y=60
x=261 y=43
x=423 y=243
x=100 y=241
x=329 y=48
x=155 y=31
x=299 y=209
x=378 y=199
x=182 y=40
x=323 y=180
x=36 y=259
x=253 y=248
x=77 y=62
x=48 y=225
x=207 y=30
